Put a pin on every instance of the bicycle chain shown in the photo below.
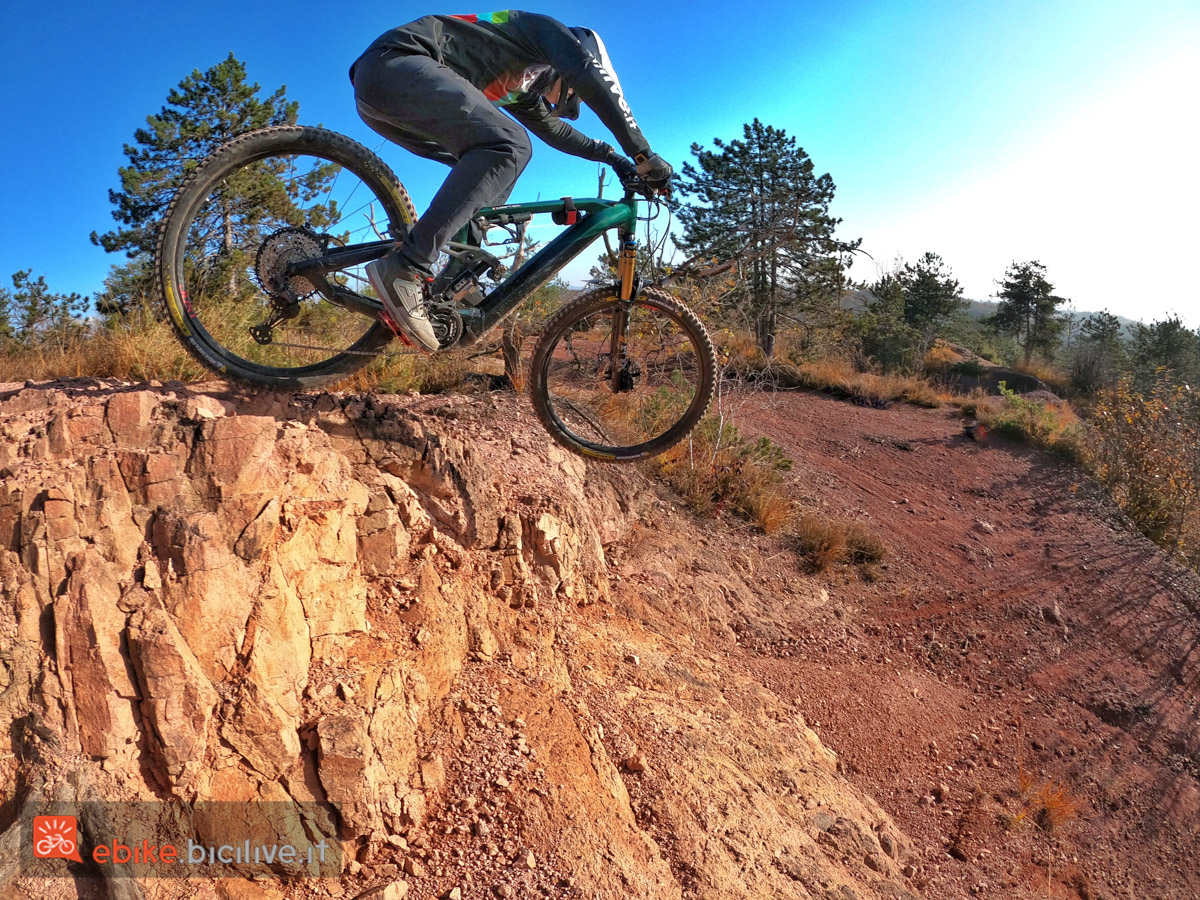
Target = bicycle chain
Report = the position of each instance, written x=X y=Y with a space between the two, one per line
x=384 y=353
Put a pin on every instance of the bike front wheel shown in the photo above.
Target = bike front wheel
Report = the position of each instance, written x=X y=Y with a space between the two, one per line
x=622 y=381
x=232 y=236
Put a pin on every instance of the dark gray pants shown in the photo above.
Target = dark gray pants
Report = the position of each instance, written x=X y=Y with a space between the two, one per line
x=433 y=111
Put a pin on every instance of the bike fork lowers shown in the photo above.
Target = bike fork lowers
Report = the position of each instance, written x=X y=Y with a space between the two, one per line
x=627 y=291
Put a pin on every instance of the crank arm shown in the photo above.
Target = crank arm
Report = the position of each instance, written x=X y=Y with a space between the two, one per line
x=349 y=300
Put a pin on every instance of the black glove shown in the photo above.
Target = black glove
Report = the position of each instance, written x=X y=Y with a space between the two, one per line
x=655 y=172
x=624 y=168
x=607 y=154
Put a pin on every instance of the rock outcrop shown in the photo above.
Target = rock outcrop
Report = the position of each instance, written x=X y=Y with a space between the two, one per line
x=407 y=612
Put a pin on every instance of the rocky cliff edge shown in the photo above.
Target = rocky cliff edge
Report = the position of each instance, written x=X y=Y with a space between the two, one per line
x=406 y=612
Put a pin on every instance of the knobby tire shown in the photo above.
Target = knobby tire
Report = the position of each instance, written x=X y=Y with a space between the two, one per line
x=275 y=141
x=575 y=417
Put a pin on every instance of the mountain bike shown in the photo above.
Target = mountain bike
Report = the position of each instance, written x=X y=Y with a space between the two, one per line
x=261 y=260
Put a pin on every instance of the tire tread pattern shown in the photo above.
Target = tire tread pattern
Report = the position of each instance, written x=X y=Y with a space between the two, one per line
x=218 y=164
x=589 y=304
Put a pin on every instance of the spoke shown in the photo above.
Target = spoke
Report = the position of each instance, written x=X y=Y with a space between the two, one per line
x=259 y=219
x=651 y=386
x=329 y=192
x=356 y=211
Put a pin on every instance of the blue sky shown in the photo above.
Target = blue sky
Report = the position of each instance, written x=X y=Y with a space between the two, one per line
x=985 y=131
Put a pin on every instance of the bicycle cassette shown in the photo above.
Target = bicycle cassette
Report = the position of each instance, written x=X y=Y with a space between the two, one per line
x=283 y=248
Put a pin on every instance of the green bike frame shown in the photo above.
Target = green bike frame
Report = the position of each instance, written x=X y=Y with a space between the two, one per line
x=596 y=216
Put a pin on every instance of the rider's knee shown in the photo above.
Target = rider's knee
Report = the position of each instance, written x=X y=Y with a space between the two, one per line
x=508 y=151
x=516 y=150
x=522 y=150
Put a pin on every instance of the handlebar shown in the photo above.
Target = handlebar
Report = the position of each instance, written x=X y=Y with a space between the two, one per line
x=624 y=168
x=631 y=180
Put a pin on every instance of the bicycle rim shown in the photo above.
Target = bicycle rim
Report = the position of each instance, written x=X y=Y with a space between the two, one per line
x=279 y=200
x=663 y=384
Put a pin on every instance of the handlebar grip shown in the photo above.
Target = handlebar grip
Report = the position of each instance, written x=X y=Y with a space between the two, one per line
x=624 y=168
x=627 y=172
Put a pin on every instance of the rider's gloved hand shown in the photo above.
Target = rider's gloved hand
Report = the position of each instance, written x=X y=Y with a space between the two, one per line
x=623 y=166
x=655 y=172
x=608 y=155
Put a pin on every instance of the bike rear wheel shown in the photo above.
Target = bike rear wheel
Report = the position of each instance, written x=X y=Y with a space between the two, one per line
x=627 y=403
x=265 y=200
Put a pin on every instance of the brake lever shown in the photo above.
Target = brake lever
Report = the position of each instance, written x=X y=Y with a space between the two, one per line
x=632 y=181
x=638 y=186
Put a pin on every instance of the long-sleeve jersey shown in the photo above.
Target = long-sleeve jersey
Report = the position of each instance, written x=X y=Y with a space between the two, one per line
x=505 y=53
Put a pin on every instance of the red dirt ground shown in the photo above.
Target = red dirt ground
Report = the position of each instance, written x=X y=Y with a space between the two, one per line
x=1018 y=685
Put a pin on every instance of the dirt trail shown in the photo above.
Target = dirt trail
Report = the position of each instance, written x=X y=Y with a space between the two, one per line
x=1020 y=631
x=1012 y=698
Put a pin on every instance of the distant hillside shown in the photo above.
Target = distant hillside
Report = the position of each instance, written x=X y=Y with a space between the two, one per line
x=858 y=300
x=981 y=309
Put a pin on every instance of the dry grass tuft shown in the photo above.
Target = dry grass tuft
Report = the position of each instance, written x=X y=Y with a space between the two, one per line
x=938 y=359
x=719 y=468
x=821 y=542
x=1055 y=378
x=141 y=346
x=440 y=374
x=838 y=377
x=824 y=542
x=863 y=545
x=145 y=352
x=921 y=393
x=1054 y=807
x=770 y=510
x=1045 y=423
x=1048 y=803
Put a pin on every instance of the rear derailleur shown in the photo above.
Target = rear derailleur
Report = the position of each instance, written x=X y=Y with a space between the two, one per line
x=276 y=254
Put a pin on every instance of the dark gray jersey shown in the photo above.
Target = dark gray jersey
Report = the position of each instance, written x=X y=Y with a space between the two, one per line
x=505 y=54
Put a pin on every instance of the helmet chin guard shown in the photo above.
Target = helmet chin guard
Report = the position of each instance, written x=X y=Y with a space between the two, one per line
x=567 y=106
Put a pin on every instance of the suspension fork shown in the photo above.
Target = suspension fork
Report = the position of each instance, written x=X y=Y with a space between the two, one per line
x=627 y=288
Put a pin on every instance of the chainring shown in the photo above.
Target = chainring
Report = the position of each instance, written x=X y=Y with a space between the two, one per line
x=447 y=324
x=283 y=248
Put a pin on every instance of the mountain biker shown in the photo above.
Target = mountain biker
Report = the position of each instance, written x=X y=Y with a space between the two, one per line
x=437 y=86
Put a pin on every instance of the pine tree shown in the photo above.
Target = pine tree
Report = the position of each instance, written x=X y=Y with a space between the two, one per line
x=886 y=336
x=931 y=295
x=127 y=286
x=759 y=200
x=206 y=110
x=36 y=315
x=1028 y=308
x=1099 y=355
x=1103 y=330
x=1166 y=344
x=6 y=327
